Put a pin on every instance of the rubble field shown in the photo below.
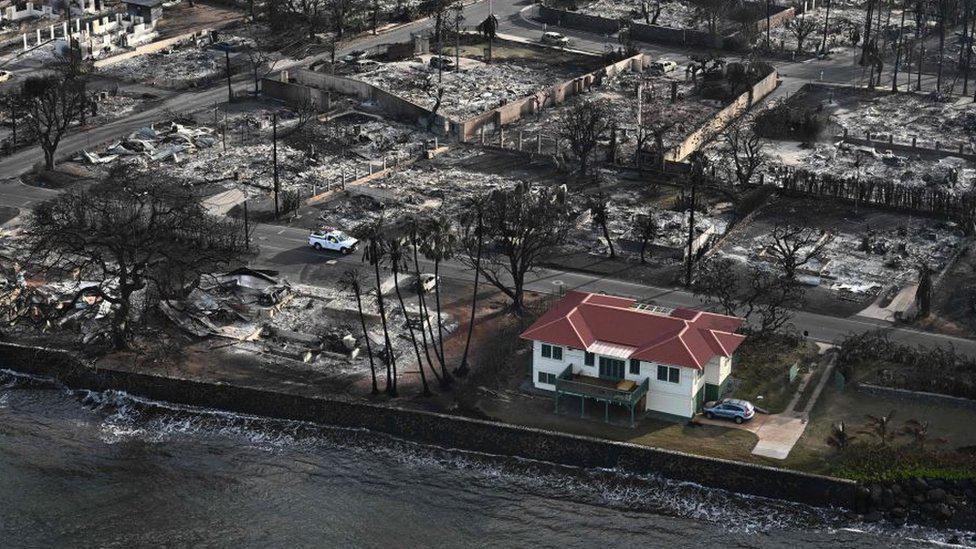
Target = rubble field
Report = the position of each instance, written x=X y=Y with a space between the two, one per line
x=679 y=14
x=180 y=65
x=844 y=18
x=949 y=173
x=901 y=115
x=478 y=87
x=442 y=186
x=685 y=115
x=311 y=155
x=867 y=251
x=318 y=326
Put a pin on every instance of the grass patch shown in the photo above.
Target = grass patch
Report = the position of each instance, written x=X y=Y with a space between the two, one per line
x=874 y=463
x=762 y=369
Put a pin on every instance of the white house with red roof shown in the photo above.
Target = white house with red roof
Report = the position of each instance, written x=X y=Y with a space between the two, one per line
x=615 y=350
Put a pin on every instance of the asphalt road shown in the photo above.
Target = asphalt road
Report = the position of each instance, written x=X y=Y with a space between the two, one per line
x=285 y=249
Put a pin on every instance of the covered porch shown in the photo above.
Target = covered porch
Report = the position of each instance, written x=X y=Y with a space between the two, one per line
x=619 y=392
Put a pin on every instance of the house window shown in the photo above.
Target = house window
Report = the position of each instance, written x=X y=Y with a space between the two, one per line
x=635 y=367
x=589 y=359
x=551 y=351
x=611 y=368
x=546 y=377
x=669 y=374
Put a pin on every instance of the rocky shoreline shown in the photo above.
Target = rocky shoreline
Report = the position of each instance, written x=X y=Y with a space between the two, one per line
x=943 y=503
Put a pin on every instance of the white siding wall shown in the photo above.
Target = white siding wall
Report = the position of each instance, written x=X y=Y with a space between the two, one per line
x=672 y=398
x=548 y=365
x=718 y=369
x=663 y=396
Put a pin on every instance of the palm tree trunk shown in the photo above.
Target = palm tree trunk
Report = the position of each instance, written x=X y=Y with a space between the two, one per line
x=390 y=357
x=369 y=347
x=424 y=314
x=463 y=369
x=440 y=323
x=413 y=338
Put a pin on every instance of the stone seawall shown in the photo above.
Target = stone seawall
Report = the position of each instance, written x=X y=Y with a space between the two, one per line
x=442 y=430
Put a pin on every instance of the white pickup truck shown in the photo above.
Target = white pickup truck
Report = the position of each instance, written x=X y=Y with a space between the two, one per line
x=332 y=239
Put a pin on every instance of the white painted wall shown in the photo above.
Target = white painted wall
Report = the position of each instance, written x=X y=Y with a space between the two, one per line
x=717 y=370
x=663 y=396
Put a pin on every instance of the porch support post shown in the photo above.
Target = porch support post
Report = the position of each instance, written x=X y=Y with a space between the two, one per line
x=606 y=411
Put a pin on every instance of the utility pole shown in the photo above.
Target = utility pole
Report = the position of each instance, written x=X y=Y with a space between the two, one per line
x=274 y=148
x=247 y=228
x=230 y=91
x=901 y=32
x=823 y=45
x=691 y=235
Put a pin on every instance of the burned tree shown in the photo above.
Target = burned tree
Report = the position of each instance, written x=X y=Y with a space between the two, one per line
x=760 y=296
x=792 y=247
x=131 y=233
x=489 y=28
x=586 y=124
x=802 y=28
x=645 y=229
x=520 y=227
x=262 y=63
x=355 y=280
x=651 y=10
x=600 y=211
x=52 y=104
x=431 y=86
x=742 y=152
x=372 y=233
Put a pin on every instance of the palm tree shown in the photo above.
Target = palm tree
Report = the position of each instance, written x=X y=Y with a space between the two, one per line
x=839 y=437
x=880 y=427
x=440 y=245
x=488 y=29
x=919 y=432
x=375 y=255
x=353 y=279
x=414 y=227
x=397 y=253
x=475 y=232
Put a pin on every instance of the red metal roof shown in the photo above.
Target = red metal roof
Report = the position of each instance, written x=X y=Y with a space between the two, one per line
x=684 y=337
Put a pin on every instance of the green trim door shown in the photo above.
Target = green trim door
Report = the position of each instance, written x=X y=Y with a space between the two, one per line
x=611 y=368
x=712 y=391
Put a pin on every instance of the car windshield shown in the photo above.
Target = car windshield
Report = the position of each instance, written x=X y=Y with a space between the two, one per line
x=341 y=235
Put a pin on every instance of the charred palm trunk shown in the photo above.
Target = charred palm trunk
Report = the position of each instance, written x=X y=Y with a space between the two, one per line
x=369 y=347
x=463 y=369
x=440 y=323
x=391 y=373
x=413 y=337
x=424 y=314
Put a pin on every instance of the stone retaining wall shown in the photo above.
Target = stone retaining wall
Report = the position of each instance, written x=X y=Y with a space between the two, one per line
x=717 y=123
x=442 y=430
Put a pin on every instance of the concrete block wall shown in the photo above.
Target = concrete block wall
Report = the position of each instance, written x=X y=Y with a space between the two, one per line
x=394 y=106
x=718 y=122
x=554 y=95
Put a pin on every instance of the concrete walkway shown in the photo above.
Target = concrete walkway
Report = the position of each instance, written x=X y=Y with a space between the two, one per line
x=901 y=303
x=778 y=433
